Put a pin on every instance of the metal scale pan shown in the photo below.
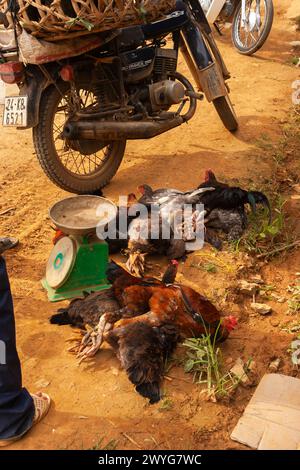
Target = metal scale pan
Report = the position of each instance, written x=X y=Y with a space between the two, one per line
x=78 y=261
x=82 y=215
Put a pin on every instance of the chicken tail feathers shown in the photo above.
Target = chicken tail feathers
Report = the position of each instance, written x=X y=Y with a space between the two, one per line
x=61 y=318
x=148 y=387
x=150 y=391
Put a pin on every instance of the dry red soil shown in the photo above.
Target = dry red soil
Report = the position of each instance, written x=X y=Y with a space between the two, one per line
x=95 y=400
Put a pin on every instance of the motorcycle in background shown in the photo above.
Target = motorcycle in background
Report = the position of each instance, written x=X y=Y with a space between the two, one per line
x=251 y=21
x=83 y=108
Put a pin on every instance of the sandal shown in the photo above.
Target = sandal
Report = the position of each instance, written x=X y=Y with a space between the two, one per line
x=7 y=243
x=42 y=403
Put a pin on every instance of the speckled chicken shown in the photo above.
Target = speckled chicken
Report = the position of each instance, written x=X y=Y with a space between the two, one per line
x=231 y=222
x=147 y=234
x=143 y=242
x=166 y=197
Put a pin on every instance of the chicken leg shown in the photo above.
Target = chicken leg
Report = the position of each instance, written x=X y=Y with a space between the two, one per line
x=94 y=338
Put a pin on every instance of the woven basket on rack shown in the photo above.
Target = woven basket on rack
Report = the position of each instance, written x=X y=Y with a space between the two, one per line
x=58 y=19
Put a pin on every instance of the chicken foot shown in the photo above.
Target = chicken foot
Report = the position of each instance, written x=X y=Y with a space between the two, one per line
x=93 y=339
x=136 y=263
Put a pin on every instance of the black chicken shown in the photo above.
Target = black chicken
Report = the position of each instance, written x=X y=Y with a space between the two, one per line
x=229 y=197
x=87 y=311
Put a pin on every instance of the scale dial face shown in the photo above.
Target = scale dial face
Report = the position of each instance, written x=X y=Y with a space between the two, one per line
x=61 y=262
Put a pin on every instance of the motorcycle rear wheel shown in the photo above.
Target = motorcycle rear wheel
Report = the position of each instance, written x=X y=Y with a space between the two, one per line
x=256 y=43
x=63 y=164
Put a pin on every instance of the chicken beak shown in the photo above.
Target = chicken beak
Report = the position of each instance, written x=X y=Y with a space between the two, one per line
x=251 y=200
x=266 y=204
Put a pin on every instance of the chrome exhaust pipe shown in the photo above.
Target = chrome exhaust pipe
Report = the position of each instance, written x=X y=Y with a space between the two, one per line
x=112 y=130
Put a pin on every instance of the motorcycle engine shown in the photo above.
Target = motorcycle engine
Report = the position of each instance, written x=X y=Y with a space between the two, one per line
x=158 y=67
x=165 y=93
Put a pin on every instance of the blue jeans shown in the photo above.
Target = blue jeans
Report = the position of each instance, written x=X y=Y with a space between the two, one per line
x=16 y=404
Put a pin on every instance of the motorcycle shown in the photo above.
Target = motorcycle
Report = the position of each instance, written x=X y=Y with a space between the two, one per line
x=251 y=21
x=83 y=109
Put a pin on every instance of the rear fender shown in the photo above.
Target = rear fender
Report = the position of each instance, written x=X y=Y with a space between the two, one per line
x=33 y=87
x=37 y=82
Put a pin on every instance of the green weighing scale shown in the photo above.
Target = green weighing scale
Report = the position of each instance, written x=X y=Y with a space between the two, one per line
x=78 y=261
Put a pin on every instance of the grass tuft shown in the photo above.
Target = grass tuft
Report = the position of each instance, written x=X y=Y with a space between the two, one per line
x=166 y=404
x=204 y=361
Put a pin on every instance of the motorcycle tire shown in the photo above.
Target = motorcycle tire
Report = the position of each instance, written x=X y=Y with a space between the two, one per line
x=226 y=113
x=269 y=11
x=53 y=166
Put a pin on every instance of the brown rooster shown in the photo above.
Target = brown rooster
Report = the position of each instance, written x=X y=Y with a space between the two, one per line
x=141 y=348
x=157 y=304
x=154 y=317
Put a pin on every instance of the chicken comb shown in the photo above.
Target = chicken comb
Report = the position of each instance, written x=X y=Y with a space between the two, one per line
x=141 y=189
x=230 y=322
x=174 y=262
x=209 y=174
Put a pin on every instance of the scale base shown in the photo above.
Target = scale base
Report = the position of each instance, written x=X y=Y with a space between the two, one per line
x=81 y=269
x=57 y=295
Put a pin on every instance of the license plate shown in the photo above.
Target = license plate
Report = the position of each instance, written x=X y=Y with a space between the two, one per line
x=15 y=111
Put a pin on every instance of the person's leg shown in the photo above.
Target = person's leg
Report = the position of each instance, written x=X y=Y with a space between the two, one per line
x=16 y=405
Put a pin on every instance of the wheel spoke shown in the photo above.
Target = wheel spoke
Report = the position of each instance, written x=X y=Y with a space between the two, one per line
x=69 y=151
x=253 y=37
x=249 y=35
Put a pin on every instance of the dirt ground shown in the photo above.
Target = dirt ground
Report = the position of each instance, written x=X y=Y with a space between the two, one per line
x=94 y=405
